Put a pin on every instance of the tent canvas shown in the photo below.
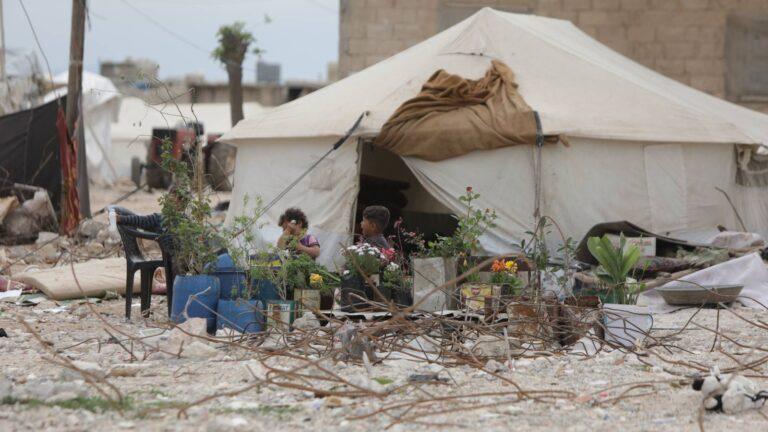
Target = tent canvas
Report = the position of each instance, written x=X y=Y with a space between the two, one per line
x=643 y=147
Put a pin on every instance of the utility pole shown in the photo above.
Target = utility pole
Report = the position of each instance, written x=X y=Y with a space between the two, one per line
x=70 y=207
x=2 y=44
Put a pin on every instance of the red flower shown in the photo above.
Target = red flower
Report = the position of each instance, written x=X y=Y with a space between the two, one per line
x=389 y=253
x=469 y=188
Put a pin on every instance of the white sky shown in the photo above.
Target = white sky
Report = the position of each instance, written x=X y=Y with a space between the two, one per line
x=302 y=37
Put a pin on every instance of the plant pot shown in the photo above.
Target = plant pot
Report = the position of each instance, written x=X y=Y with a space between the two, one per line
x=474 y=296
x=240 y=315
x=195 y=296
x=429 y=274
x=626 y=324
x=402 y=297
x=326 y=299
x=306 y=300
x=355 y=293
x=280 y=314
x=265 y=290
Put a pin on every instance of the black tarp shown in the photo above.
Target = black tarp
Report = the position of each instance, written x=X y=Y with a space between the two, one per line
x=29 y=150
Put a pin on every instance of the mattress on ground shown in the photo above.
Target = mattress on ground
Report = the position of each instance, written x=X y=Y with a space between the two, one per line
x=89 y=279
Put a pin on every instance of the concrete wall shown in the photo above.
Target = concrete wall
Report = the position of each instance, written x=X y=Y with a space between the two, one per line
x=683 y=39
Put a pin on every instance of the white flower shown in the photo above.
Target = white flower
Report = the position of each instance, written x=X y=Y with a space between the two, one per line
x=393 y=266
x=346 y=272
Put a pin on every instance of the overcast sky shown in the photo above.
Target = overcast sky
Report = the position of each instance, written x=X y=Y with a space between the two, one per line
x=302 y=37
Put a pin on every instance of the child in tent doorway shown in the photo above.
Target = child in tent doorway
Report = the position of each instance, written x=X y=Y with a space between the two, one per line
x=294 y=224
x=375 y=221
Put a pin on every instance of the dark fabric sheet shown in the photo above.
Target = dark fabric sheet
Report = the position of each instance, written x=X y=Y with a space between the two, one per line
x=29 y=150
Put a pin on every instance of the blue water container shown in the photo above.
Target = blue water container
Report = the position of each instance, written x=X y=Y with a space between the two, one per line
x=244 y=316
x=232 y=280
x=266 y=290
x=199 y=294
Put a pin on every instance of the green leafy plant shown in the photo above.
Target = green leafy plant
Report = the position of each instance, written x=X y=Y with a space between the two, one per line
x=186 y=217
x=616 y=263
x=473 y=223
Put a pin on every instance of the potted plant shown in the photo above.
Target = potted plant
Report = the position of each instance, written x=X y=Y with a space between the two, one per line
x=310 y=283
x=447 y=255
x=361 y=276
x=185 y=214
x=624 y=322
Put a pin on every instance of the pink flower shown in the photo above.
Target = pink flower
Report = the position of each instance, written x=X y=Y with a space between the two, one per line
x=389 y=254
x=469 y=188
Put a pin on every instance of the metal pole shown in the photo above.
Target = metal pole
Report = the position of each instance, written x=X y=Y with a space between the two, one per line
x=2 y=44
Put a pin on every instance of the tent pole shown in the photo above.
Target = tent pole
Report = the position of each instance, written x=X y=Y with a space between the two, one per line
x=537 y=167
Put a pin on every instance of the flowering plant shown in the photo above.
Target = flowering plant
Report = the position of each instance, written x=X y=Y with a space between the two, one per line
x=471 y=225
x=504 y=273
x=393 y=275
x=364 y=259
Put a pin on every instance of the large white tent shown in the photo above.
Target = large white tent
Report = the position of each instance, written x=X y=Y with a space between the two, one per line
x=642 y=147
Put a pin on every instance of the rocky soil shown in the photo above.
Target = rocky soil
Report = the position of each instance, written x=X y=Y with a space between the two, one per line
x=38 y=393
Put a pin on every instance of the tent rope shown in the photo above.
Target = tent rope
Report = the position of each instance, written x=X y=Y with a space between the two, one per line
x=293 y=184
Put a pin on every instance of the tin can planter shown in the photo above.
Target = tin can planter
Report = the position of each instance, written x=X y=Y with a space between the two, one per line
x=195 y=296
x=280 y=314
x=480 y=297
x=240 y=315
x=306 y=300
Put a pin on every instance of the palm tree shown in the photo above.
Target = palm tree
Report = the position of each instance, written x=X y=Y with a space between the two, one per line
x=234 y=42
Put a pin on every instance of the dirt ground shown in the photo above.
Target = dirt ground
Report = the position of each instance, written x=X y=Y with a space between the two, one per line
x=156 y=388
x=141 y=375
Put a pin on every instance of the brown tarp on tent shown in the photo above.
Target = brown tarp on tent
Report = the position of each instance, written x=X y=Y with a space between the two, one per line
x=452 y=116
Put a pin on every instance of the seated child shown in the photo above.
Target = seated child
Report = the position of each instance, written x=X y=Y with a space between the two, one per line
x=294 y=224
x=375 y=221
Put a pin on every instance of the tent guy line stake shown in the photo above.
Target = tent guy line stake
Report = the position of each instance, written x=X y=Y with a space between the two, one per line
x=293 y=184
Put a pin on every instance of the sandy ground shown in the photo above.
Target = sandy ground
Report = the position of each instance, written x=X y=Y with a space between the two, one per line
x=610 y=391
x=160 y=386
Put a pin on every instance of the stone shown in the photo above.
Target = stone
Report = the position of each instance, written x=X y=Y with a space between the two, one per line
x=88 y=367
x=45 y=237
x=6 y=388
x=89 y=229
x=308 y=321
x=491 y=346
x=127 y=369
x=190 y=330
x=494 y=366
x=228 y=424
x=94 y=248
x=199 y=350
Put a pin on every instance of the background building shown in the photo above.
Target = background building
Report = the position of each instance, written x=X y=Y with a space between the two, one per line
x=717 y=46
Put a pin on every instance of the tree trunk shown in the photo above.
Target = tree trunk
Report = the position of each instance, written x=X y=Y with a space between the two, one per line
x=235 y=73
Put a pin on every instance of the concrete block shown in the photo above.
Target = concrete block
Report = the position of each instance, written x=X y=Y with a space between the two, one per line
x=595 y=18
x=606 y=5
x=671 y=67
x=696 y=4
x=641 y=33
x=577 y=5
x=680 y=50
x=634 y=5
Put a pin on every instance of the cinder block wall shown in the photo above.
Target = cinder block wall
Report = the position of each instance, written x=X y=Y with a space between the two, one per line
x=683 y=39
